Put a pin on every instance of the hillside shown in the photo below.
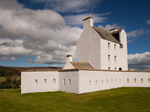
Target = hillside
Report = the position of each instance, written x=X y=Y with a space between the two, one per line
x=3 y=70
x=37 y=68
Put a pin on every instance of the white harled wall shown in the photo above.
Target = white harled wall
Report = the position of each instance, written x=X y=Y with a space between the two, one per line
x=69 y=81
x=35 y=81
x=81 y=81
x=88 y=45
x=93 y=49
x=90 y=81
x=136 y=79
x=113 y=49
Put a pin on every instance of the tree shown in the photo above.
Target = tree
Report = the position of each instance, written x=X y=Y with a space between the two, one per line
x=12 y=77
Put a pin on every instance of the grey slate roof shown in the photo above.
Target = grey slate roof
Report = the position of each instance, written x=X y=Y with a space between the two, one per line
x=81 y=65
x=106 y=35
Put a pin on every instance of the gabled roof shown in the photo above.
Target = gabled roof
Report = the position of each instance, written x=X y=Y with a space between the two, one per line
x=81 y=65
x=106 y=35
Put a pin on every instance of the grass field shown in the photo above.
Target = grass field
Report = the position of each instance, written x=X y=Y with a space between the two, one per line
x=2 y=78
x=115 y=100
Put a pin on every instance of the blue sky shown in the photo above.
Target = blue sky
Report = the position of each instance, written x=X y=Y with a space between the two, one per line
x=43 y=32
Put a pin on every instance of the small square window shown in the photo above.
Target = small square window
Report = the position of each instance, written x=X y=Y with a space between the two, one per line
x=54 y=81
x=45 y=81
x=69 y=82
x=102 y=82
x=109 y=57
x=111 y=80
x=90 y=83
x=115 y=46
x=108 y=68
x=63 y=81
x=109 y=45
x=96 y=82
x=120 y=80
x=36 y=81
x=120 y=69
x=134 y=80
x=115 y=58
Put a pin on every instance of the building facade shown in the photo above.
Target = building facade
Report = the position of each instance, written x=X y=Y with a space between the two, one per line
x=101 y=49
x=101 y=65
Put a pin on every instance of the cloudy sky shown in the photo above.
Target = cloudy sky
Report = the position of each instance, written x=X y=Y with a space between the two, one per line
x=43 y=32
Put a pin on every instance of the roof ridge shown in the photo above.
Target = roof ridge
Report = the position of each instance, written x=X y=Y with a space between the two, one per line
x=102 y=29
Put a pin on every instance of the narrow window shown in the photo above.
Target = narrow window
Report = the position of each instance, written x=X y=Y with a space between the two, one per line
x=134 y=80
x=108 y=57
x=116 y=80
x=120 y=80
x=90 y=83
x=102 y=82
x=127 y=80
x=69 y=83
x=54 y=81
x=107 y=81
x=115 y=46
x=109 y=45
x=108 y=68
x=149 y=80
x=115 y=58
x=45 y=81
x=36 y=81
x=96 y=82
x=120 y=69
x=141 y=80
x=111 y=80
x=63 y=81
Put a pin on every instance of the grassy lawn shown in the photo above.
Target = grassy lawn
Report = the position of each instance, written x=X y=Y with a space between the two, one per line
x=2 y=79
x=121 y=99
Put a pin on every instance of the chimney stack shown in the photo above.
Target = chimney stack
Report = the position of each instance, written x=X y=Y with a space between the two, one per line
x=88 y=22
x=69 y=58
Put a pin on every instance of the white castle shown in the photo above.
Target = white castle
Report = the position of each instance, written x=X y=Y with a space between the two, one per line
x=101 y=64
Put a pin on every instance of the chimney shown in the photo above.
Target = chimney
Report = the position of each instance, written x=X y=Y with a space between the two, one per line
x=69 y=58
x=88 y=22
x=113 y=30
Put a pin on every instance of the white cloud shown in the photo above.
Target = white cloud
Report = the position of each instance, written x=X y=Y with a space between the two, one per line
x=8 y=58
x=148 y=21
x=139 y=61
x=70 y=5
x=29 y=60
x=40 y=33
x=135 y=33
x=77 y=19
x=13 y=58
x=108 y=27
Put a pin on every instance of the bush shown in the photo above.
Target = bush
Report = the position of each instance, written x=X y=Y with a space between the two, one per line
x=6 y=84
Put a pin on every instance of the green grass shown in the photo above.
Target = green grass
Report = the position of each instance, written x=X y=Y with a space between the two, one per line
x=115 y=100
x=2 y=78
